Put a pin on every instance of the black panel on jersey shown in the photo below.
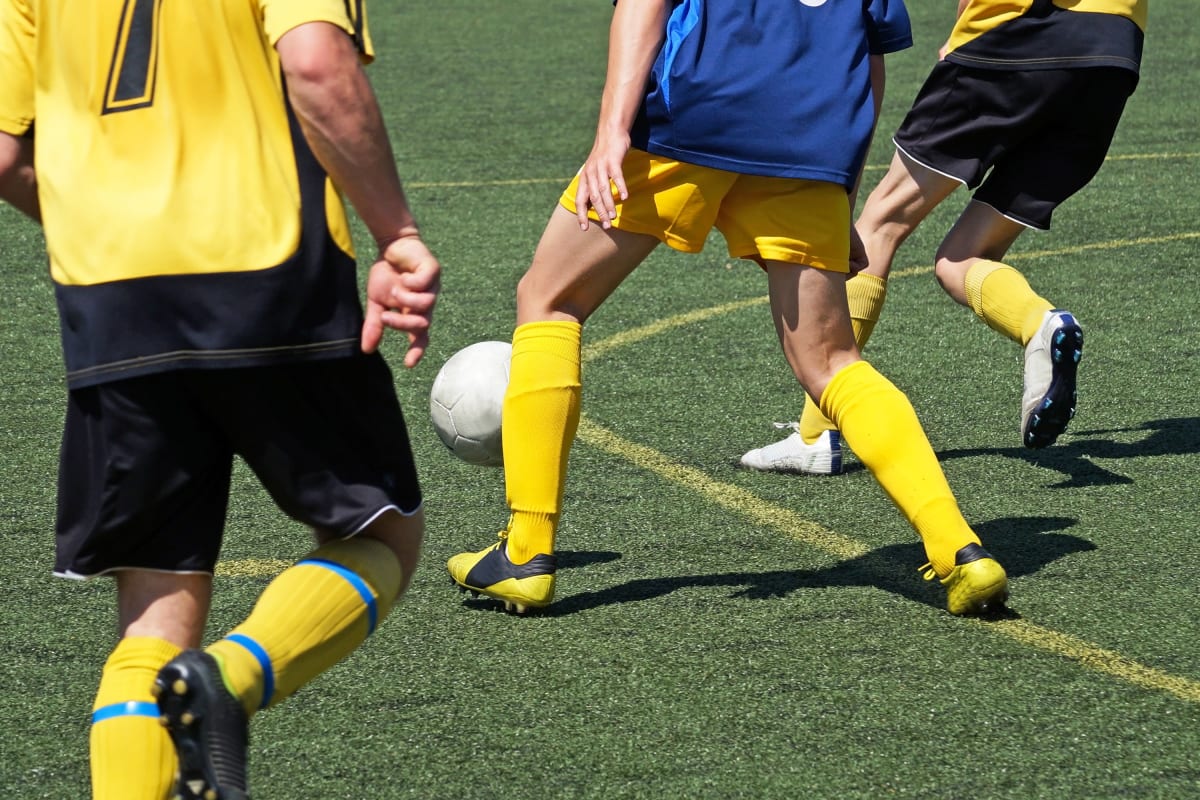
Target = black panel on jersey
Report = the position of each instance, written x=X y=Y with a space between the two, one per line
x=1077 y=39
x=305 y=308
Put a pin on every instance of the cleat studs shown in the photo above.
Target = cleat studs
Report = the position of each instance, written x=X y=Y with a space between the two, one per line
x=210 y=794
x=187 y=718
x=179 y=686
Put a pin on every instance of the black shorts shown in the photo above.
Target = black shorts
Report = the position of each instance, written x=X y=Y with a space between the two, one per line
x=145 y=470
x=1027 y=139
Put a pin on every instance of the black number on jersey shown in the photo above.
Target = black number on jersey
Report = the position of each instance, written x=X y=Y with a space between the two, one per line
x=135 y=58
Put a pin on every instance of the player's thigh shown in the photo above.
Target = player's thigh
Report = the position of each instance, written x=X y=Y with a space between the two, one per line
x=143 y=479
x=980 y=232
x=404 y=534
x=1032 y=178
x=903 y=198
x=574 y=271
x=327 y=439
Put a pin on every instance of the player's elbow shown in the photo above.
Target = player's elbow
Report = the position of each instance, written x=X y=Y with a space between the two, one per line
x=314 y=57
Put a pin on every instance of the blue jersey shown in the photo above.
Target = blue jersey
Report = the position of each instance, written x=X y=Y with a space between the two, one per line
x=769 y=87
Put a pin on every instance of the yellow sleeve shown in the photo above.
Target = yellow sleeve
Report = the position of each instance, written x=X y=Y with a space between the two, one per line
x=16 y=65
x=280 y=16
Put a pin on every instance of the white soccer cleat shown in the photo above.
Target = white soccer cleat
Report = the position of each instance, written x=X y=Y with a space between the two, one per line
x=1051 y=360
x=822 y=457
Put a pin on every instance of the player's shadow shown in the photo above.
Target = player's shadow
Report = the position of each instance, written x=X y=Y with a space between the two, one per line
x=1023 y=544
x=1073 y=458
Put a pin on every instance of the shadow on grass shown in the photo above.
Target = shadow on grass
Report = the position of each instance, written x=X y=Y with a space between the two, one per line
x=1179 y=436
x=1023 y=545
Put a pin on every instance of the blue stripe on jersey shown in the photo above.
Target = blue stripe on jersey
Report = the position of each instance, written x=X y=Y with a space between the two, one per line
x=682 y=21
x=357 y=582
x=130 y=708
x=264 y=661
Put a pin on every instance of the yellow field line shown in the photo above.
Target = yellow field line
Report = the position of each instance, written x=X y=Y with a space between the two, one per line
x=791 y=524
x=1098 y=659
x=635 y=335
x=775 y=517
x=729 y=497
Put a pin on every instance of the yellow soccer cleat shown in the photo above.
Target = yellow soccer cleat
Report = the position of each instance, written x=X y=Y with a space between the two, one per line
x=519 y=586
x=977 y=585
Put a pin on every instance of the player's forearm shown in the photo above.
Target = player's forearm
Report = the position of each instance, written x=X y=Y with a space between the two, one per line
x=18 y=182
x=635 y=36
x=342 y=123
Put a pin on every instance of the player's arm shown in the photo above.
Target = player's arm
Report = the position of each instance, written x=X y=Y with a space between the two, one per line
x=18 y=182
x=343 y=125
x=635 y=36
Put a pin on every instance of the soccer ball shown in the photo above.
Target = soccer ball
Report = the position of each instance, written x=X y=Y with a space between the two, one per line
x=466 y=400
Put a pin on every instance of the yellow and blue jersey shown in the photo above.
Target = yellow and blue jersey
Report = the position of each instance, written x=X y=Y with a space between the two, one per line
x=1049 y=34
x=769 y=87
x=188 y=224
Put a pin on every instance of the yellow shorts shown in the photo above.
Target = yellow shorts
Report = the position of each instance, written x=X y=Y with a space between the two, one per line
x=765 y=219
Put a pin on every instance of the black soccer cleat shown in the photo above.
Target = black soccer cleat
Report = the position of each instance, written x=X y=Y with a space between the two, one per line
x=208 y=727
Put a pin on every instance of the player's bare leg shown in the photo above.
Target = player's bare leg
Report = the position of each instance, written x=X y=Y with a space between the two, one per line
x=970 y=269
x=572 y=274
x=812 y=319
x=902 y=199
x=159 y=614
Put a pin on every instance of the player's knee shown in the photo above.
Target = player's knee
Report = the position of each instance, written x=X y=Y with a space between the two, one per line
x=372 y=566
x=403 y=535
x=951 y=275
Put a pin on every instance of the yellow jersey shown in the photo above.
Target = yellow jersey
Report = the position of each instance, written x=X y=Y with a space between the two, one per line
x=188 y=223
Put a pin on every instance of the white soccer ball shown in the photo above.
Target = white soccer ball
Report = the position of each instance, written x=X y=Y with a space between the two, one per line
x=466 y=400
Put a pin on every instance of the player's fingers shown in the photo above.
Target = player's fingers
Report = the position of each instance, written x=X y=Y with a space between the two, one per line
x=602 y=199
x=372 y=329
x=618 y=180
x=582 y=202
x=417 y=344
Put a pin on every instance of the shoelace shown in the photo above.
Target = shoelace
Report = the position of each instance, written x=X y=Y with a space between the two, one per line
x=927 y=571
x=785 y=425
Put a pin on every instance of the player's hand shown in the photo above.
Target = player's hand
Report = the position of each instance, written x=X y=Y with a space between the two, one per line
x=600 y=178
x=858 y=252
x=402 y=289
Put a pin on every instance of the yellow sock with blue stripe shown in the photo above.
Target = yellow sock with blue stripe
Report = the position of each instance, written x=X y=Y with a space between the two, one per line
x=310 y=617
x=866 y=294
x=541 y=415
x=880 y=425
x=1002 y=298
x=132 y=757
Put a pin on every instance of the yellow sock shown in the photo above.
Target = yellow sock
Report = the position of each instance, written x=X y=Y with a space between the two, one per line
x=307 y=619
x=1001 y=297
x=541 y=415
x=132 y=757
x=866 y=294
x=881 y=427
